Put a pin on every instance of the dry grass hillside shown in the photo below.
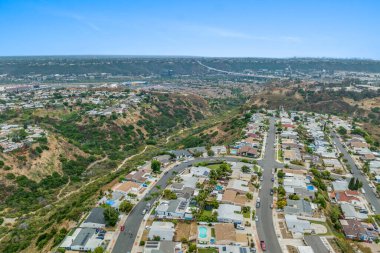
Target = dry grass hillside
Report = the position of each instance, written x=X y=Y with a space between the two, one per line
x=37 y=166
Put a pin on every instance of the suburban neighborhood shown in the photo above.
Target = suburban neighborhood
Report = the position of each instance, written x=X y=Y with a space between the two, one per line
x=210 y=199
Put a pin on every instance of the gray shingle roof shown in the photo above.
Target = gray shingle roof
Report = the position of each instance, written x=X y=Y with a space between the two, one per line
x=83 y=236
x=96 y=216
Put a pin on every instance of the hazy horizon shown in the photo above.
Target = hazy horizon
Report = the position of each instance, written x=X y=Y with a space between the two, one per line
x=263 y=29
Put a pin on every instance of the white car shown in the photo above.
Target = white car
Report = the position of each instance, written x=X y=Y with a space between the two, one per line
x=256 y=218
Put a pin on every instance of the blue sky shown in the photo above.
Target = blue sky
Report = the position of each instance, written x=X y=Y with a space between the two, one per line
x=282 y=28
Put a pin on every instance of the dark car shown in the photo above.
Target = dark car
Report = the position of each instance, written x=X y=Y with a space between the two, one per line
x=272 y=179
x=271 y=191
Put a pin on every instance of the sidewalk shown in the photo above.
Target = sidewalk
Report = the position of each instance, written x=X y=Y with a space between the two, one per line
x=253 y=223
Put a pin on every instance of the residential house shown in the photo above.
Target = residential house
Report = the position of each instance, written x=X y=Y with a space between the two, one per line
x=128 y=187
x=163 y=159
x=139 y=176
x=181 y=154
x=95 y=219
x=297 y=227
x=200 y=171
x=225 y=233
x=198 y=150
x=234 y=198
x=357 y=230
x=162 y=247
x=300 y=208
x=350 y=213
x=82 y=239
x=347 y=196
x=292 y=155
x=230 y=214
x=219 y=150
x=164 y=230
x=340 y=185
x=174 y=209
x=237 y=185
x=248 y=151
x=232 y=249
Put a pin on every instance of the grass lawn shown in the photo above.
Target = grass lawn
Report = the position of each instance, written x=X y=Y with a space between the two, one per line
x=207 y=250
x=247 y=215
x=329 y=231
x=279 y=155
x=213 y=166
x=206 y=213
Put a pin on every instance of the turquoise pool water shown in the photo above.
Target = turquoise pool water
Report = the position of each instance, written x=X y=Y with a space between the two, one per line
x=310 y=187
x=110 y=202
x=202 y=232
x=218 y=187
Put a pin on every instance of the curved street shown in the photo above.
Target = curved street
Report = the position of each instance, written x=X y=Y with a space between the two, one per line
x=265 y=228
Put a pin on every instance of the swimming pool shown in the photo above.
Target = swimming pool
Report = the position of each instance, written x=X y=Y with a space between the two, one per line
x=202 y=232
x=218 y=187
x=310 y=187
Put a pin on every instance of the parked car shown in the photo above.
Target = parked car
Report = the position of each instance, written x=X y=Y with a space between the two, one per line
x=122 y=228
x=256 y=218
x=144 y=212
x=272 y=179
x=257 y=204
x=240 y=227
x=271 y=206
x=263 y=246
x=271 y=191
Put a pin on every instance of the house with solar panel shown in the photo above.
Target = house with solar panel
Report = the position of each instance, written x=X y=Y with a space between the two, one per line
x=174 y=209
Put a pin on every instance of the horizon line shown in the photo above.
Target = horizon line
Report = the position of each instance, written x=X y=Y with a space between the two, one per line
x=188 y=56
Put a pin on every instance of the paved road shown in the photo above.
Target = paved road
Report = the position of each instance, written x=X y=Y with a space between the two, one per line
x=265 y=228
x=369 y=194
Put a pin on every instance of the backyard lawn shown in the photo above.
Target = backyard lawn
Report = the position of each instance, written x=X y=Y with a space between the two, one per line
x=213 y=166
x=207 y=250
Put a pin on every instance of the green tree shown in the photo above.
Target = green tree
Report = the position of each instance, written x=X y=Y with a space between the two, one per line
x=168 y=194
x=192 y=247
x=125 y=206
x=98 y=250
x=156 y=166
x=280 y=174
x=351 y=184
x=111 y=216
x=249 y=195
x=358 y=184
x=281 y=203
x=342 y=130
x=245 y=169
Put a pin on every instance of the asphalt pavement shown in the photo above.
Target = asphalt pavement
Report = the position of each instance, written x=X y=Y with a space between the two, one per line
x=265 y=227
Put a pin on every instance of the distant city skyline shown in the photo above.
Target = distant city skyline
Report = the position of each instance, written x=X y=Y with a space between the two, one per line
x=276 y=29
